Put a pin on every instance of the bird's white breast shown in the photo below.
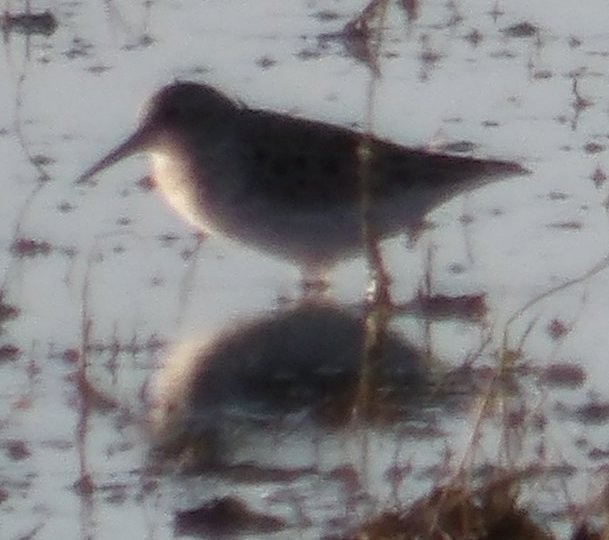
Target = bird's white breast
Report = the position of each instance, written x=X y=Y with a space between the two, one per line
x=176 y=185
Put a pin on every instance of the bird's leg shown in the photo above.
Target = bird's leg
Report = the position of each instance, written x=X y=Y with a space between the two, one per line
x=379 y=288
x=313 y=281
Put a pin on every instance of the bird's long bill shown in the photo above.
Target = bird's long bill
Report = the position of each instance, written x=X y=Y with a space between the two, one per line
x=138 y=142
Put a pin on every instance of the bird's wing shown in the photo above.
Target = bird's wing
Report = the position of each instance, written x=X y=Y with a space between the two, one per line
x=318 y=164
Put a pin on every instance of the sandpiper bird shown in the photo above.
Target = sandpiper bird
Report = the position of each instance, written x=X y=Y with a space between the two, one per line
x=286 y=185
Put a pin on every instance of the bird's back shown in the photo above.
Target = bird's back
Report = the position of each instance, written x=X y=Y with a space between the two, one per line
x=308 y=163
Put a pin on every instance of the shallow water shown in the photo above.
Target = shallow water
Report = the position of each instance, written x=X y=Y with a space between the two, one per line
x=105 y=282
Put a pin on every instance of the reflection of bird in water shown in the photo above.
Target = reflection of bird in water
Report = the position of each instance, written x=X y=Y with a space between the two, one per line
x=285 y=185
x=300 y=370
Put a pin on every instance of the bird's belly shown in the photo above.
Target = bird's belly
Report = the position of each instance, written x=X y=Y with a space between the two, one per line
x=313 y=238
x=308 y=235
